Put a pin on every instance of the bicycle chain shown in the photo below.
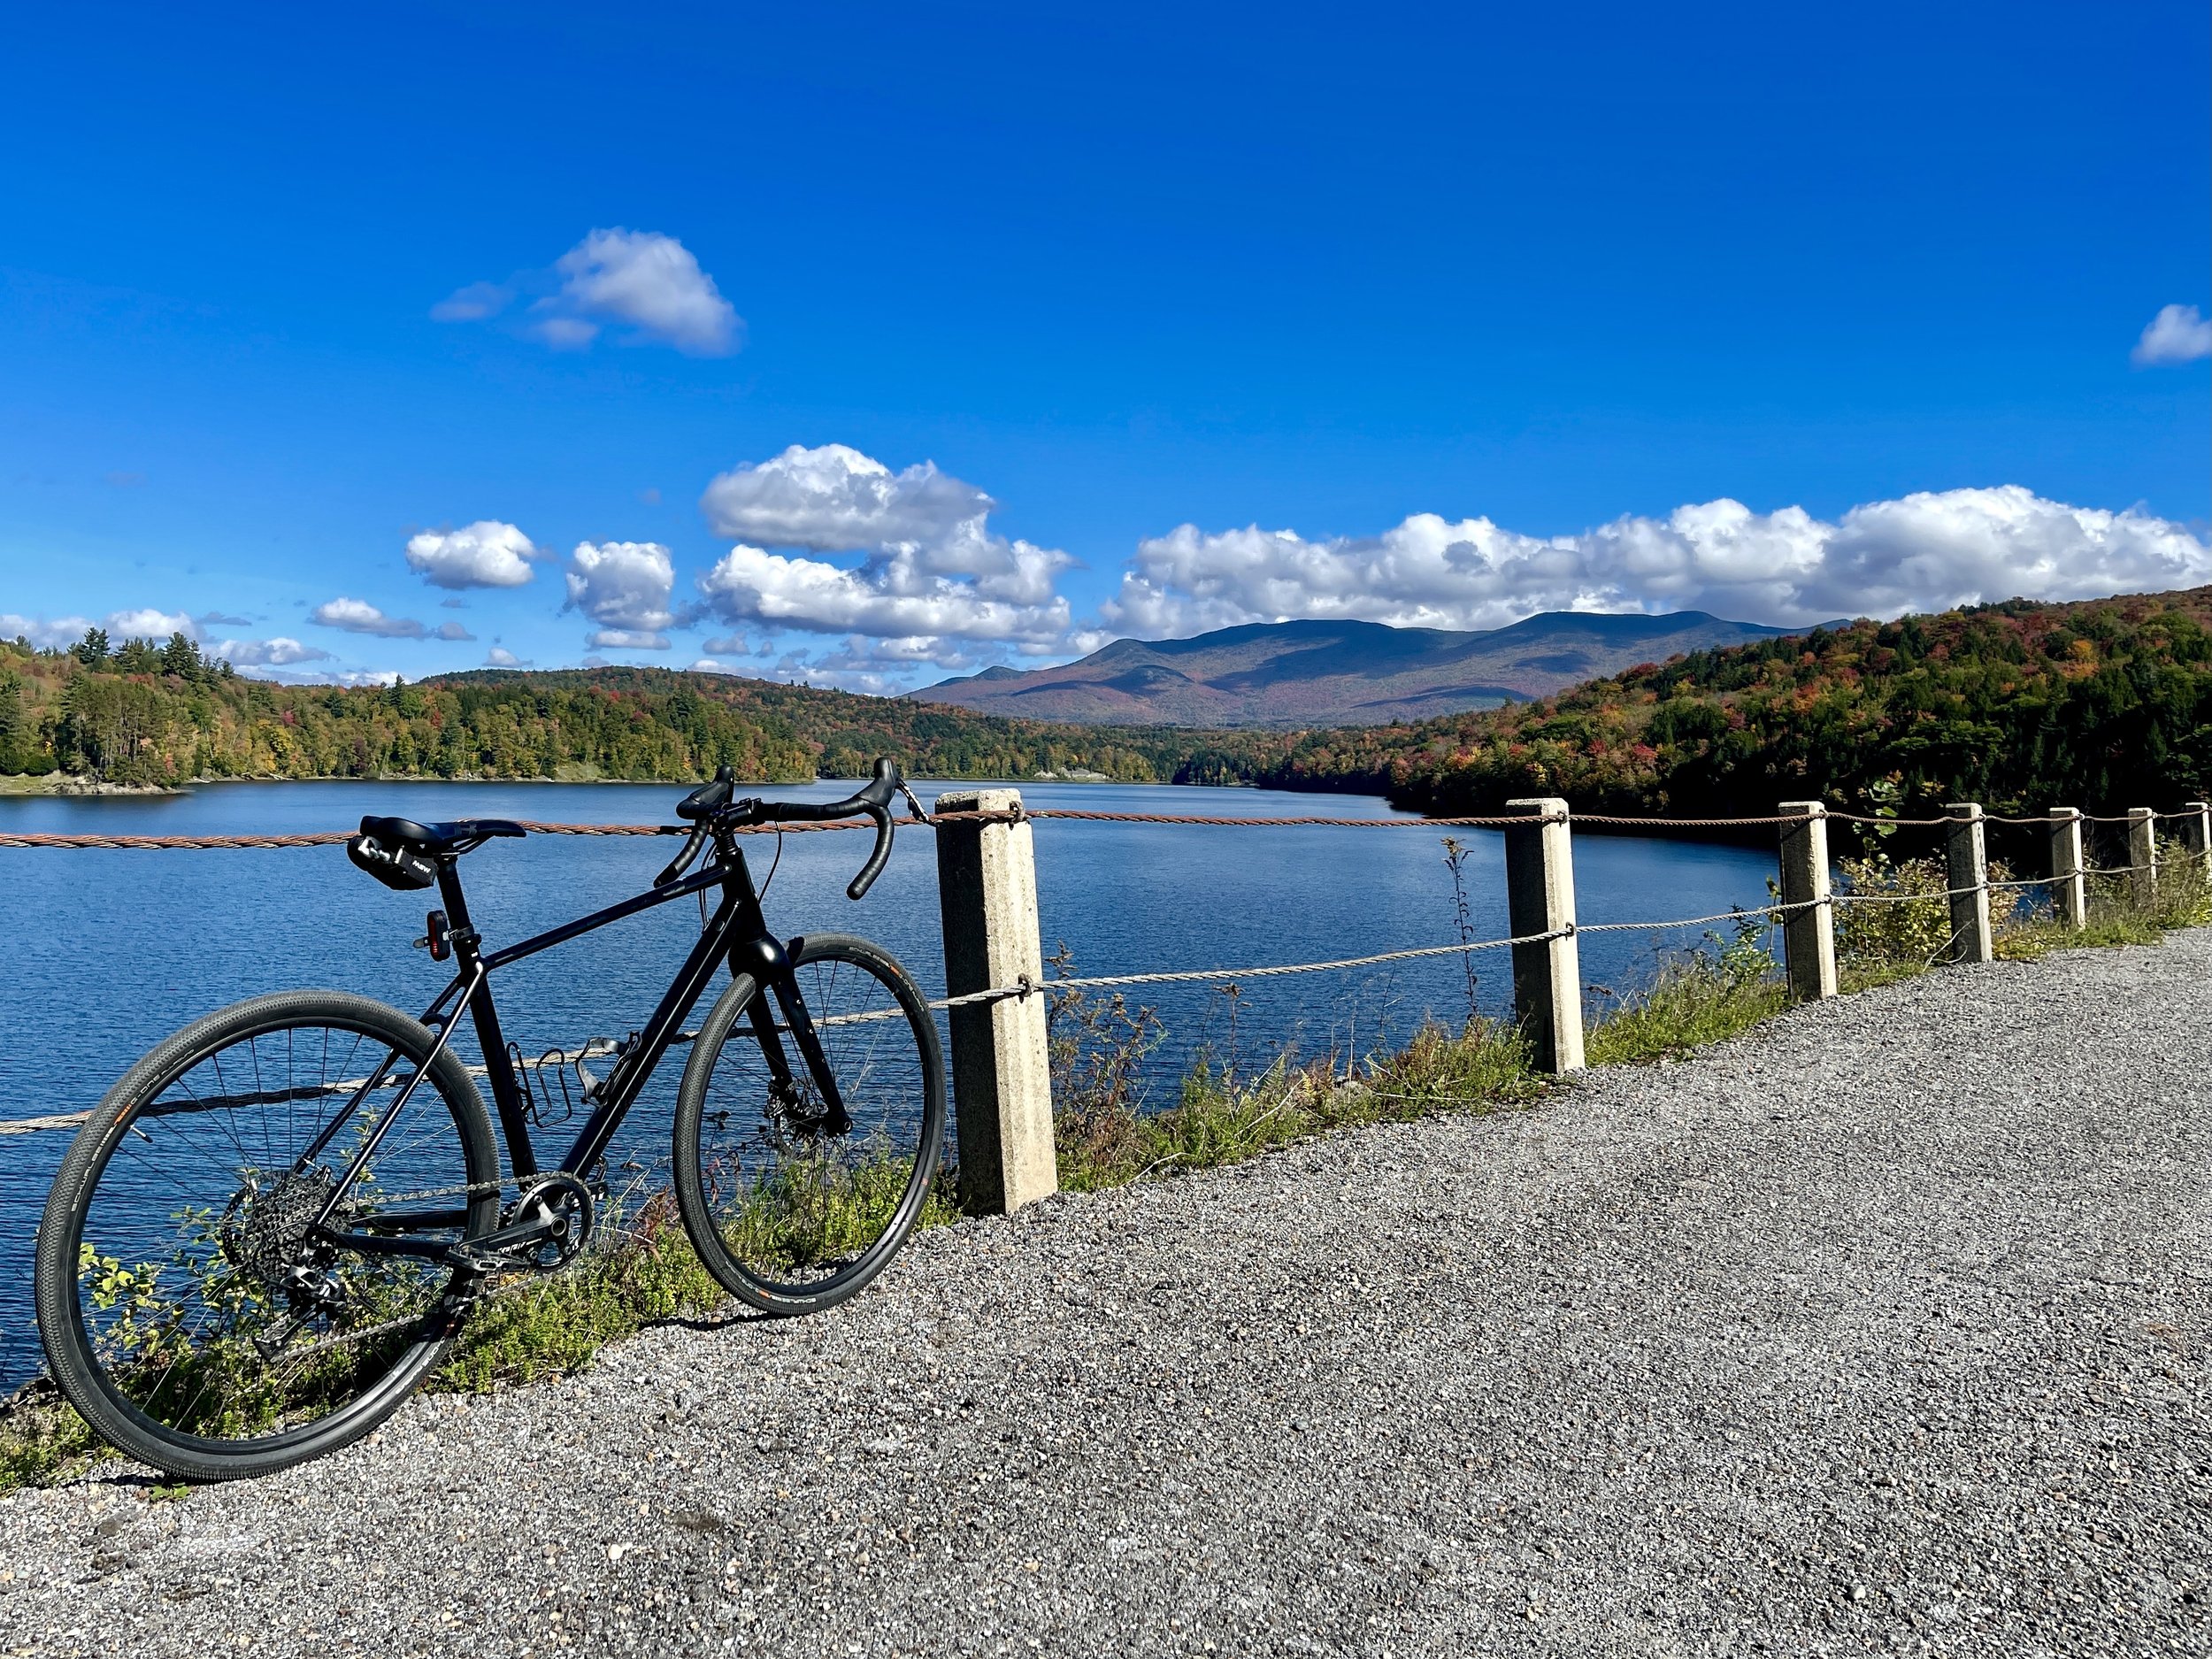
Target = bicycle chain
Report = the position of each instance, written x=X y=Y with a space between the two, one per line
x=468 y=1301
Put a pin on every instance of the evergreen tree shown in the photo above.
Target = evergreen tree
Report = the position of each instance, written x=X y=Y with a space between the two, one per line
x=11 y=723
x=182 y=657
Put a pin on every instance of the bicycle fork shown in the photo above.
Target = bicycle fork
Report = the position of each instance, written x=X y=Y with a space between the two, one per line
x=772 y=973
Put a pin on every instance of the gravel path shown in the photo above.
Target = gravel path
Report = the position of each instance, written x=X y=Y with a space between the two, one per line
x=1883 y=1329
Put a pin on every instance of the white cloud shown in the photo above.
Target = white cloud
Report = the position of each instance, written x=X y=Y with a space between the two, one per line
x=500 y=656
x=647 y=283
x=835 y=673
x=473 y=303
x=279 y=651
x=486 y=554
x=332 y=677
x=833 y=499
x=55 y=634
x=652 y=283
x=46 y=633
x=624 y=587
x=880 y=667
x=1925 y=552
x=566 y=334
x=627 y=640
x=151 y=625
x=930 y=566
x=359 y=616
x=2178 y=333
x=890 y=596
x=859 y=652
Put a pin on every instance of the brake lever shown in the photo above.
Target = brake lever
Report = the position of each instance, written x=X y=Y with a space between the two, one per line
x=877 y=859
x=912 y=804
x=682 y=860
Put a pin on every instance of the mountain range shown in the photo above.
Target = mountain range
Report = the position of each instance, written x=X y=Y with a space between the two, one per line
x=1310 y=673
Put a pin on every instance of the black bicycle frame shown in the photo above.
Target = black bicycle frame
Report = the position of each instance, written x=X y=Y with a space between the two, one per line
x=737 y=933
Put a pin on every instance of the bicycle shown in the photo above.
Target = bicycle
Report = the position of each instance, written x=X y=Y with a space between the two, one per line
x=270 y=1231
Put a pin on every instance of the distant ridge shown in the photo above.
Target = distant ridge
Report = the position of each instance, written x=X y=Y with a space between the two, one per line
x=1310 y=673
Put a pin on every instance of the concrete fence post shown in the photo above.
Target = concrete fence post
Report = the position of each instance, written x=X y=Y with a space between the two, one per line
x=1002 y=1068
x=2069 y=887
x=2143 y=855
x=1966 y=872
x=2196 y=835
x=1809 y=936
x=1539 y=890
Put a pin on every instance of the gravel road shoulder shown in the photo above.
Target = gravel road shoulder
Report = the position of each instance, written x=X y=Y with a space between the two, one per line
x=1882 y=1329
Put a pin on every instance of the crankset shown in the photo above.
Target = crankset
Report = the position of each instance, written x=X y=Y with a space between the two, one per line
x=542 y=1231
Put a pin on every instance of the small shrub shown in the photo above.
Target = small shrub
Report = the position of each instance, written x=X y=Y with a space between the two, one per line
x=41 y=1438
x=1699 y=997
x=644 y=1270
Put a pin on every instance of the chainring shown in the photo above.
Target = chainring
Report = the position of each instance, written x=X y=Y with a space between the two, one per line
x=565 y=1202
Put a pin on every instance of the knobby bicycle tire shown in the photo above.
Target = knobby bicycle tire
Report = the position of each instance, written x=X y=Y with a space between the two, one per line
x=98 y=1388
x=891 y=1068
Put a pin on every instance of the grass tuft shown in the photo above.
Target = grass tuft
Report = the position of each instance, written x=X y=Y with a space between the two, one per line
x=1219 y=1117
x=1693 y=1005
x=43 y=1440
x=544 y=1328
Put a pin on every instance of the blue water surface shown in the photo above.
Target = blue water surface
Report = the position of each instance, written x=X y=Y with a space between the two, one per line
x=109 y=951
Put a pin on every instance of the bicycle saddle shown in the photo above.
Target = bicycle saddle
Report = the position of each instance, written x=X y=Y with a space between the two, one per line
x=404 y=855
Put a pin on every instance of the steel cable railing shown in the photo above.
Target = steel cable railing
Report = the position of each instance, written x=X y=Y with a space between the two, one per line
x=1025 y=986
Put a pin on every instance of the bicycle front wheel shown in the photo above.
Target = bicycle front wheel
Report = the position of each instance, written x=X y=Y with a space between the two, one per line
x=794 y=1195
x=191 y=1308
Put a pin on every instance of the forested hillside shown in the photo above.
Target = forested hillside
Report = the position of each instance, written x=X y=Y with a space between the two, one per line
x=150 y=714
x=2017 y=705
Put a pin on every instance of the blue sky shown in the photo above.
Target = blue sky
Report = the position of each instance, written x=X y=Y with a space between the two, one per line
x=1199 y=314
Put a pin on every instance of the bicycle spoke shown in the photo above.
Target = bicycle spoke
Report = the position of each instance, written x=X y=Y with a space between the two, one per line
x=209 y=1307
x=798 y=1195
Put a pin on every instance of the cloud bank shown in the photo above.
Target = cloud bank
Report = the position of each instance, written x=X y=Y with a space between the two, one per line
x=279 y=651
x=359 y=616
x=931 y=569
x=1927 y=551
x=57 y=634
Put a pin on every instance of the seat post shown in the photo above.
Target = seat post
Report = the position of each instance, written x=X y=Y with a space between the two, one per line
x=457 y=912
x=514 y=1119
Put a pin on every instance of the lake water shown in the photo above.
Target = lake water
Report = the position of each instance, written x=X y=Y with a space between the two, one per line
x=109 y=951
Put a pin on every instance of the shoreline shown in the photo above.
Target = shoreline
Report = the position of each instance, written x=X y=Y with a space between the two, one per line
x=61 y=784
x=50 y=784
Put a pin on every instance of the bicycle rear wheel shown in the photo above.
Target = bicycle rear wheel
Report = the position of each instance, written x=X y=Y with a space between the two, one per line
x=791 y=1207
x=188 y=1310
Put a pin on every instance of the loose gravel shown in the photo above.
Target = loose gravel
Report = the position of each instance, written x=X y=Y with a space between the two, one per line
x=1882 y=1329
